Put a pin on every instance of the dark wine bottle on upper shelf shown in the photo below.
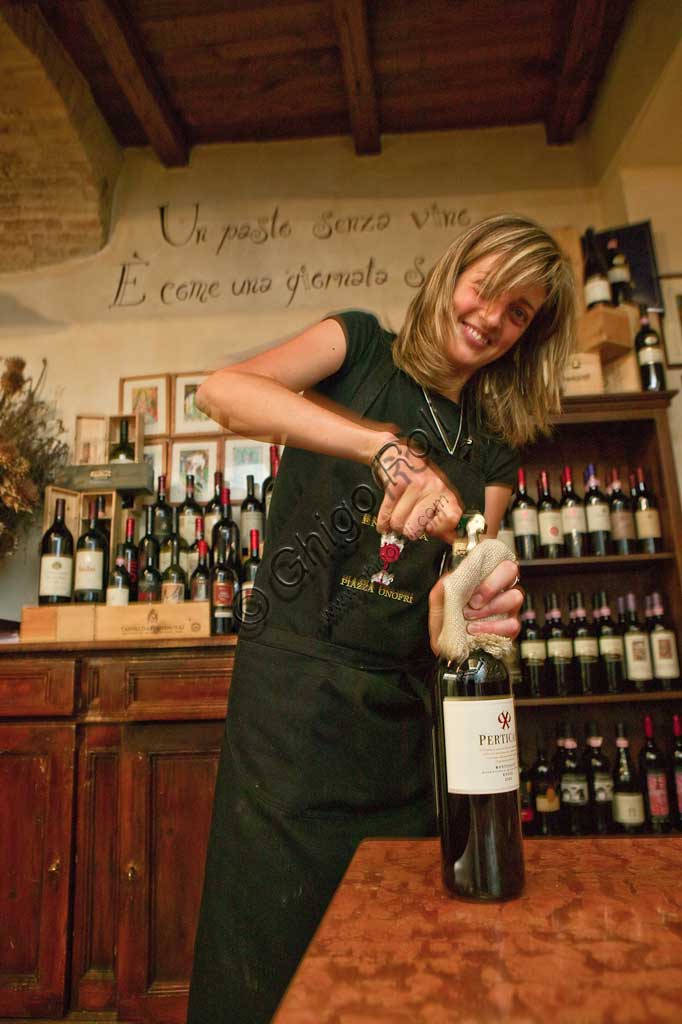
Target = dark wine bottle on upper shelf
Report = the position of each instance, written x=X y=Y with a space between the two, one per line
x=188 y=512
x=224 y=588
x=647 y=519
x=562 y=731
x=200 y=580
x=174 y=578
x=638 y=667
x=573 y=522
x=525 y=520
x=654 y=781
x=477 y=795
x=118 y=588
x=148 y=542
x=251 y=516
x=549 y=520
x=166 y=546
x=546 y=794
x=560 y=677
x=149 y=581
x=163 y=515
x=623 y=534
x=649 y=355
x=91 y=569
x=611 y=648
x=585 y=648
x=533 y=651
x=56 y=560
x=664 y=655
x=618 y=273
x=103 y=522
x=597 y=290
x=193 y=550
x=212 y=510
x=599 y=780
x=123 y=451
x=598 y=514
x=269 y=483
x=575 y=795
x=130 y=556
x=226 y=526
x=628 y=802
x=676 y=779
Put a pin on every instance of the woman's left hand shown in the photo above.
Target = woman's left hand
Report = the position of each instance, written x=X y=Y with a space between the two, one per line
x=495 y=595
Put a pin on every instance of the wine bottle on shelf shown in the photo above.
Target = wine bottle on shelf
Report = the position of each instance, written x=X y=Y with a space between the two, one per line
x=118 y=589
x=647 y=519
x=148 y=542
x=526 y=800
x=525 y=521
x=549 y=520
x=676 y=779
x=200 y=580
x=123 y=451
x=193 y=550
x=226 y=526
x=560 y=679
x=477 y=796
x=599 y=780
x=598 y=514
x=166 y=545
x=573 y=522
x=649 y=355
x=611 y=647
x=585 y=648
x=506 y=532
x=575 y=795
x=628 y=802
x=56 y=560
x=163 y=516
x=618 y=272
x=149 y=580
x=623 y=534
x=654 y=781
x=174 y=578
x=562 y=731
x=666 y=663
x=269 y=482
x=189 y=510
x=103 y=522
x=251 y=515
x=533 y=651
x=249 y=570
x=212 y=510
x=224 y=589
x=90 y=574
x=597 y=290
x=638 y=668
x=546 y=794
x=130 y=556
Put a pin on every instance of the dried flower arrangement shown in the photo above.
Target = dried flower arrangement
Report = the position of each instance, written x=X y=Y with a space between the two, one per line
x=30 y=449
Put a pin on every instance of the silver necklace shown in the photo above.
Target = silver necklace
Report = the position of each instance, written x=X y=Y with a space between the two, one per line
x=449 y=449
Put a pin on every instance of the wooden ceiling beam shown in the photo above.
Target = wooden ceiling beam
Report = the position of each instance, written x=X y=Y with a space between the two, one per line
x=582 y=53
x=350 y=17
x=123 y=51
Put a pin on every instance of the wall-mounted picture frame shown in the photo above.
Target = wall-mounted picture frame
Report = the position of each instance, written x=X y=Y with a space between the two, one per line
x=149 y=396
x=241 y=458
x=637 y=242
x=196 y=455
x=187 y=418
x=671 y=288
x=156 y=454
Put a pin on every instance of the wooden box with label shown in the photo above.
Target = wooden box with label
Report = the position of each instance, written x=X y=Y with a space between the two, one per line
x=606 y=331
x=583 y=375
x=57 y=622
x=146 y=620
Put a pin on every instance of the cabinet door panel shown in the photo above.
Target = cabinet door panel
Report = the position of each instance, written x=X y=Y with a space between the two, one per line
x=162 y=688
x=36 y=801
x=166 y=799
x=36 y=687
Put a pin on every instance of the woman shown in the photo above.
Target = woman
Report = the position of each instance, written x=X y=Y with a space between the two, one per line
x=328 y=733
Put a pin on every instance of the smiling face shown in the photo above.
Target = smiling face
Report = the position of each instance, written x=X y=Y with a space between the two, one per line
x=485 y=328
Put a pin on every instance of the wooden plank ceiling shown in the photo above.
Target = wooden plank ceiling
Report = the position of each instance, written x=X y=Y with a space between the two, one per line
x=175 y=73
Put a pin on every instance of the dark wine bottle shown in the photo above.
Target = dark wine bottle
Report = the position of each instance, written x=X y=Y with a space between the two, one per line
x=249 y=572
x=163 y=516
x=269 y=482
x=585 y=648
x=647 y=519
x=56 y=560
x=173 y=578
x=200 y=580
x=560 y=678
x=188 y=512
x=599 y=780
x=638 y=668
x=623 y=535
x=148 y=543
x=527 y=802
x=130 y=557
x=226 y=526
x=212 y=510
x=251 y=516
x=611 y=648
x=598 y=514
x=193 y=551
x=666 y=663
x=224 y=590
x=546 y=794
x=619 y=276
x=649 y=355
x=149 y=580
x=597 y=289
x=676 y=780
x=103 y=522
x=524 y=513
x=118 y=589
x=573 y=522
x=166 y=548
x=477 y=795
x=123 y=451
x=549 y=520
x=91 y=563
x=628 y=802
x=654 y=781
x=533 y=651
x=575 y=796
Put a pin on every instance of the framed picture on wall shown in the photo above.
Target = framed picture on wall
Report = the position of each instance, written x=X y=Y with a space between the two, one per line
x=242 y=458
x=187 y=418
x=156 y=455
x=671 y=287
x=147 y=395
x=637 y=242
x=198 y=456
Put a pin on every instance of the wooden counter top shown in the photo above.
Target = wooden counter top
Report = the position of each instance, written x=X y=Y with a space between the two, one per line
x=596 y=937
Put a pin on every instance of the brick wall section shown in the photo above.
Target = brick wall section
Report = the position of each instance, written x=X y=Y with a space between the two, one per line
x=58 y=160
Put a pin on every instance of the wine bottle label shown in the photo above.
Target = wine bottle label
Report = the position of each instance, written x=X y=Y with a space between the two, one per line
x=650 y=355
x=187 y=526
x=648 y=523
x=172 y=593
x=118 y=596
x=200 y=588
x=622 y=525
x=525 y=522
x=56 y=574
x=586 y=647
x=480 y=745
x=533 y=650
x=638 y=667
x=89 y=570
x=598 y=517
x=547 y=801
x=657 y=789
x=603 y=788
x=551 y=531
x=664 y=650
x=251 y=521
x=628 y=808
x=573 y=519
x=210 y=519
x=574 y=789
x=223 y=599
x=560 y=649
x=619 y=271
x=597 y=289
x=611 y=648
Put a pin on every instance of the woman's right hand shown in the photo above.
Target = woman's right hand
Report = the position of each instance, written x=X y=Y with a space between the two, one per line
x=418 y=497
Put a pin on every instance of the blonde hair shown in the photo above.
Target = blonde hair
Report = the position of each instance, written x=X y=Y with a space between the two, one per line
x=516 y=394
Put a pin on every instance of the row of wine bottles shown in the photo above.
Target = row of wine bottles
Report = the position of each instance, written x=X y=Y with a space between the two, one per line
x=578 y=792
x=599 y=523
x=561 y=659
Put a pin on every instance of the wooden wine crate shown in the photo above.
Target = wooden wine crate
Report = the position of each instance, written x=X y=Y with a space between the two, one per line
x=190 y=619
x=57 y=623
x=95 y=437
x=127 y=477
x=622 y=375
x=605 y=331
x=583 y=375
